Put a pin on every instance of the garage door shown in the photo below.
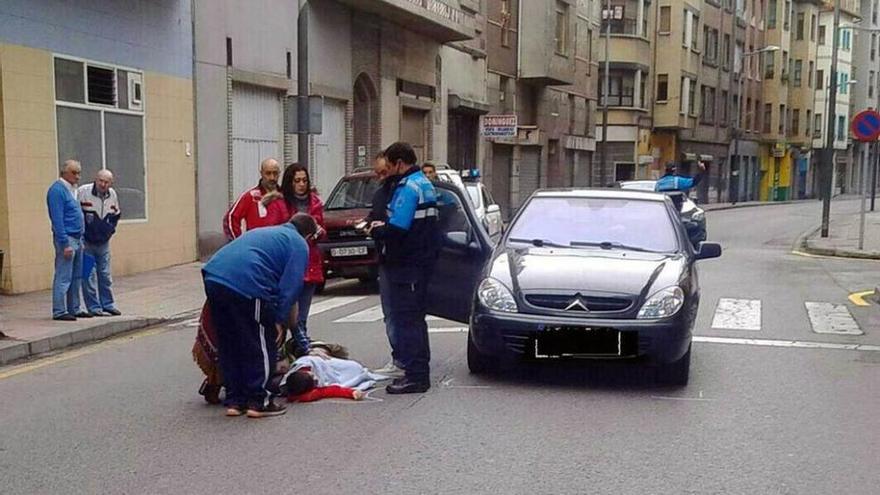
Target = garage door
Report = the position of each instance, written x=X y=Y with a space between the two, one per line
x=529 y=172
x=501 y=158
x=582 y=168
x=256 y=133
x=329 y=163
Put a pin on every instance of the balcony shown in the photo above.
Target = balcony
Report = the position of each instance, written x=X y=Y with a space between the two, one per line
x=626 y=89
x=433 y=18
x=548 y=56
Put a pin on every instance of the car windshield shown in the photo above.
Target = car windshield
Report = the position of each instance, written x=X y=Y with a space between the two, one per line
x=474 y=192
x=353 y=193
x=606 y=223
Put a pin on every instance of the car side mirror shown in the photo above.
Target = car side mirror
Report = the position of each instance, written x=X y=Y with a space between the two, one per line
x=708 y=250
x=459 y=241
x=493 y=209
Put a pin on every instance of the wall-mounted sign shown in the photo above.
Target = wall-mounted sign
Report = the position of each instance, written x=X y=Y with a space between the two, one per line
x=498 y=126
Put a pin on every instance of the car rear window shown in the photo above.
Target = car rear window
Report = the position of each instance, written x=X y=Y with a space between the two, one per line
x=563 y=221
x=352 y=193
x=474 y=192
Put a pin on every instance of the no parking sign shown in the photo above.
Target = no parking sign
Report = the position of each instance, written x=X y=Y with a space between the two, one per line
x=866 y=125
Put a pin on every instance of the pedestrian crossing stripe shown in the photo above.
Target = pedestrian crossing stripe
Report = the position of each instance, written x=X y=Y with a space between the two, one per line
x=372 y=314
x=832 y=318
x=737 y=314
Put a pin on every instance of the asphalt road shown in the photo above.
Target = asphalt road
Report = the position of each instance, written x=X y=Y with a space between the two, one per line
x=123 y=417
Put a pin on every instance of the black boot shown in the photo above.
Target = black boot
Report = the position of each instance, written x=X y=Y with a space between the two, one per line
x=408 y=386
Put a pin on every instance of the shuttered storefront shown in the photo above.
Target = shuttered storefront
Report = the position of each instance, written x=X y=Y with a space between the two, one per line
x=256 y=133
x=529 y=172
x=328 y=165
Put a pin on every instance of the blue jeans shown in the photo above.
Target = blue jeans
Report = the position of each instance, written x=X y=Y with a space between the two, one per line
x=68 y=278
x=100 y=297
x=385 y=296
x=304 y=303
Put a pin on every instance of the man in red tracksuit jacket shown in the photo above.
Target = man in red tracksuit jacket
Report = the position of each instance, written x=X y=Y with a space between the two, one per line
x=258 y=207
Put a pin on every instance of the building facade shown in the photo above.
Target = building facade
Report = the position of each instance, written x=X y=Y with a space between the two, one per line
x=866 y=94
x=109 y=84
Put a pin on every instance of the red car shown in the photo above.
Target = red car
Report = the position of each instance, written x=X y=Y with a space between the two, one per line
x=348 y=252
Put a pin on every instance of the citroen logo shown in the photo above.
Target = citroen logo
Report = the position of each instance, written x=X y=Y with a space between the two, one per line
x=577 y=305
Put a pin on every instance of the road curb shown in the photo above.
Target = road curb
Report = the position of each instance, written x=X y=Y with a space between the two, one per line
x=803 y=244
x=708 y=207
x=18 y=350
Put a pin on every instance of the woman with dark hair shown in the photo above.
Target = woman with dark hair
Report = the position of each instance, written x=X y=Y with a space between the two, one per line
x=300 y=197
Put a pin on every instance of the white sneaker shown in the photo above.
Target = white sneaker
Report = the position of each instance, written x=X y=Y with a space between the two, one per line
x=390 y=369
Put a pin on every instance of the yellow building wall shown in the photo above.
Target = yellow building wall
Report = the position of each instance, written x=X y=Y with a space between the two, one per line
x=4 y=211
x=769 y=167
x=167 y=237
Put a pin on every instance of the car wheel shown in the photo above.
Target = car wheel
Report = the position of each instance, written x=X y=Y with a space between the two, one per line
x=676 y=373
x=478 y=363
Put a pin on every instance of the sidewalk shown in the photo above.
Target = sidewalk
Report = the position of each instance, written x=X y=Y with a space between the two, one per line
x=145 y=299
x=843 y=239
x=748 y=204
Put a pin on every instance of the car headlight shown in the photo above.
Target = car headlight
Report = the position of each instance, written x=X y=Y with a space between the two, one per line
x=494 y=295
x=662 y=304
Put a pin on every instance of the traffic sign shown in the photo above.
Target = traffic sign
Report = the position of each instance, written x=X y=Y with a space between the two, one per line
x=866 y=125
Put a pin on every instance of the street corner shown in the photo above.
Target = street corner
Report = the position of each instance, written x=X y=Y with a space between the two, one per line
x=866 y=298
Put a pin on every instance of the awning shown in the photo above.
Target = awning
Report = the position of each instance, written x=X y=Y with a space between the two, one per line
x=466 y=105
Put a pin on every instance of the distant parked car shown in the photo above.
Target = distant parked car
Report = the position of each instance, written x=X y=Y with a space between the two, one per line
x=693 y=216
x=488 y=212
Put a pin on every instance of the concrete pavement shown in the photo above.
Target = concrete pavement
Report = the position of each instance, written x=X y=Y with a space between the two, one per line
x=843 y=239
x=145 y=299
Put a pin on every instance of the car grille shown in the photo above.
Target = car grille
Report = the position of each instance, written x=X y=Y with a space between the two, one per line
x=592 y=303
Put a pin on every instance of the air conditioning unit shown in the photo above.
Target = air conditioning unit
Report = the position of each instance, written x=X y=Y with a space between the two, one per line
x=135 y=91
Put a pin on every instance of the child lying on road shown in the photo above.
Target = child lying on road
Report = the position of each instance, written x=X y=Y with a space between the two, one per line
x=318 y=375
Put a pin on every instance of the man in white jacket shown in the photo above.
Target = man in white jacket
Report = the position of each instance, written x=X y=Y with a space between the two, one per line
x=101 y=211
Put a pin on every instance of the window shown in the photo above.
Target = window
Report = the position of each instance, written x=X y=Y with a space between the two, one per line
x=710 y=45
x=817 y=125
x=769 y=65
x=845 y=37
x=561 y=27
x=795 y=122
x=781 y=128
x=843 y=80
x=737 y=57
x=874 y=12
x=725 y=48
x=707 y=105
x=695 y=32
x=821 y=35
x=756 y=114
x=807 y=124
x=799 y=27
x=786 y=16
x=771 y=14
x=798 y=68
x=813 y=25
x=870 y=84
x=768 y=117
x=841 y=128
x=665 y=19
x=724 y=114
x=820 y=79
x=784 y=67
x=748 y=113
x=621 y=88
x=686 y=32
x=873 y=46
x=810 y=75
x=100 y=122
x=505 y=23
x=692 y=97
x=683 y=103
x=662 y=87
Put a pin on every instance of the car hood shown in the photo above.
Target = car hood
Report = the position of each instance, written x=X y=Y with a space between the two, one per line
x=338 y=219
x=533 y=269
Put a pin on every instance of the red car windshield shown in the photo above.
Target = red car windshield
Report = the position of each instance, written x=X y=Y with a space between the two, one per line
x=353 y=193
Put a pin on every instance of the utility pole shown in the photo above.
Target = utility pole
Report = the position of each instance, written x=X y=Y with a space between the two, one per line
x=603 y=153
x=302 y=83
x=874 y=176
x=827 y=165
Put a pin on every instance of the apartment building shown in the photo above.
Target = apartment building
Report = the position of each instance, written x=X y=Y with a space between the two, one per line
x=849 y=13
x=541 y=68
x=866 y=94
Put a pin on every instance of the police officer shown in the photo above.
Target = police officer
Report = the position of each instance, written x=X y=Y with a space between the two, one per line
x=671 y=181
x=411 y=243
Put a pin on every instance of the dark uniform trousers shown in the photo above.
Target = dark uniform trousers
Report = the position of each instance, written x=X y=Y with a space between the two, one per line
x=408 y=287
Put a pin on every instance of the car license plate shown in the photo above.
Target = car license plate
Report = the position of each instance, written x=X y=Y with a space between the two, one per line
x=572 y=342
x=348 y=251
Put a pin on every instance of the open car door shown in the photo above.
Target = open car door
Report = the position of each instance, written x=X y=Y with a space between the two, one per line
x=465 y=249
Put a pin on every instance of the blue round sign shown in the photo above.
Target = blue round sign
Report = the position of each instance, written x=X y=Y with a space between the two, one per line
x=866 y=125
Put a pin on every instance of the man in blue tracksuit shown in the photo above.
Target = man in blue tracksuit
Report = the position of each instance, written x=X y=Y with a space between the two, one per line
x=671 y=181
x=411 y=245
x=252 y=284
x=100 y=206
x=67 y=231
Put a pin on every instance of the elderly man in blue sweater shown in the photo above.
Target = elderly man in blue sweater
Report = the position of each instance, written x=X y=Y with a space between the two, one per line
x=252 y=284
x=67 y=231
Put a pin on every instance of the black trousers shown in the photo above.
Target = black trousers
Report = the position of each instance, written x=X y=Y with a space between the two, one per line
x=407 y=305
x=246 y=340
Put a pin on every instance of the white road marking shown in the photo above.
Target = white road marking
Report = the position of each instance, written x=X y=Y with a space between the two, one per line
x=789 y=343
x=373 y=314
x=448 y=330
x=686 y=399
x=333 y=303
x=832 y=318
x=737 y=314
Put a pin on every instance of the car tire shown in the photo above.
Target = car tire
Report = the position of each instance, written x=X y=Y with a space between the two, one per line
x=676 y=373
x=478 y=363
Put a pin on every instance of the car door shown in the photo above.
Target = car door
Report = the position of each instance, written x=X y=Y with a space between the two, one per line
x=493 y=213
x=465 y=249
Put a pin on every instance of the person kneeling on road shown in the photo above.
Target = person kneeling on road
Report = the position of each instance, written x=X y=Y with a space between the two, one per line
x=251 y=285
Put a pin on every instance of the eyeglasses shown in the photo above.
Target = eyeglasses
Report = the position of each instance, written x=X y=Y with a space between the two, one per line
x=301 y=180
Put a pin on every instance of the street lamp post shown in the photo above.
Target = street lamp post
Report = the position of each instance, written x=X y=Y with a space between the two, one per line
x=739 y=99
x=603 y=153
x=827 y=163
